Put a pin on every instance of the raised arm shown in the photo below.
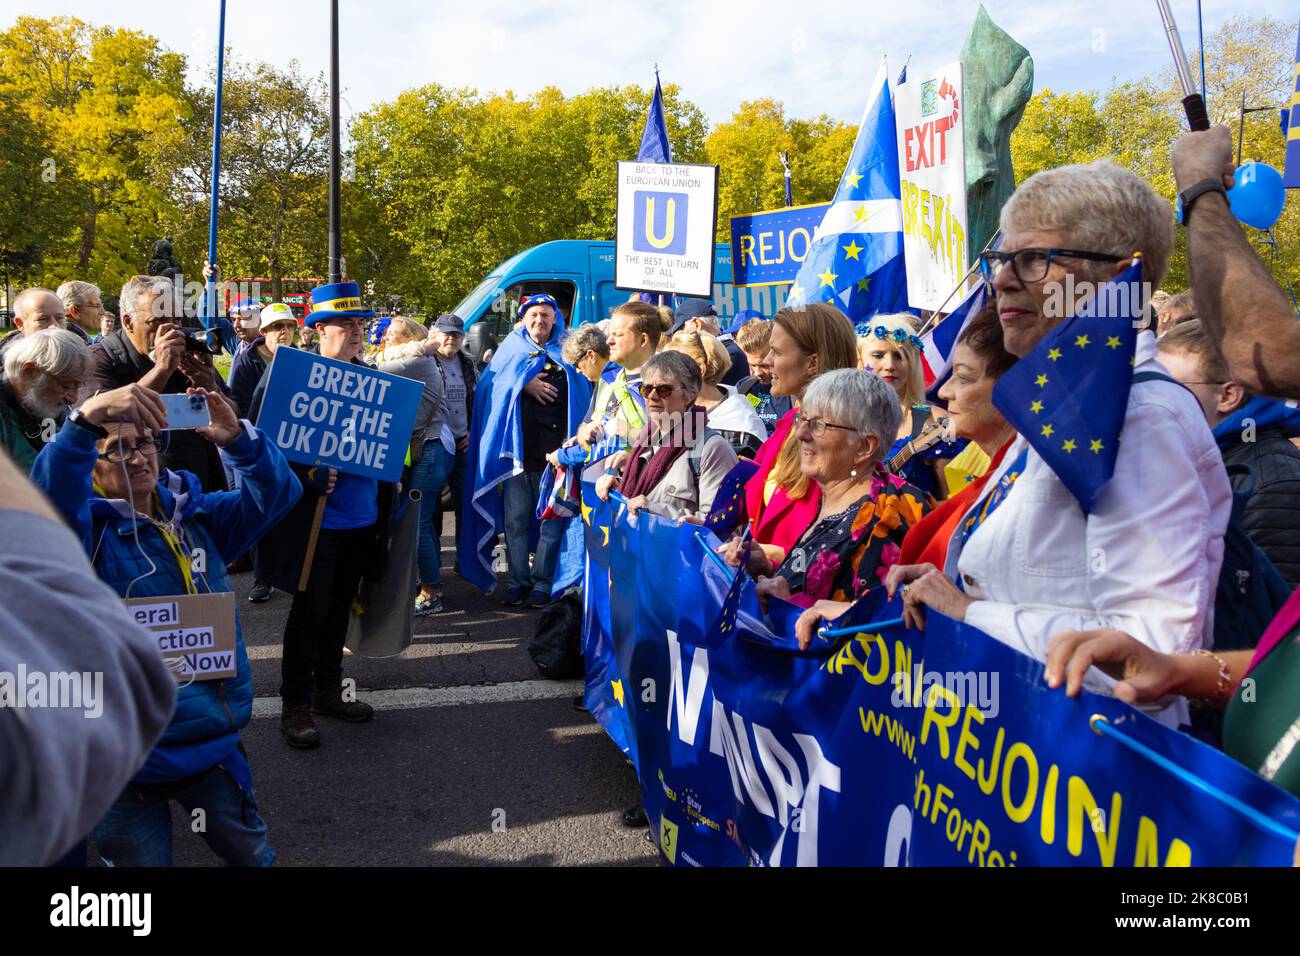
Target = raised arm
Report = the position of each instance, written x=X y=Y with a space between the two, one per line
x=1245 y=311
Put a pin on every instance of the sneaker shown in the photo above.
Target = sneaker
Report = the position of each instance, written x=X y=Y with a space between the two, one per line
x=261 y=592
x=331 y=704
x=579 y=703
x=426 y=605
x=635 y=817
x=298 y=727
x=513 y=597
x=539 y=599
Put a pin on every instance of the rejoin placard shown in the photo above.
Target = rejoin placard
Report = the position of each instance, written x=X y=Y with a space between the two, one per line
x=320 y=411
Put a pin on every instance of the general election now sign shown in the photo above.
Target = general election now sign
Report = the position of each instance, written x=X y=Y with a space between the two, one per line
x=320 y=411
x=667 y=218
x=767 y=248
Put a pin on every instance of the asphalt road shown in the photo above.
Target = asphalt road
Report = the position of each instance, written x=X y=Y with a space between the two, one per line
x=471 y=759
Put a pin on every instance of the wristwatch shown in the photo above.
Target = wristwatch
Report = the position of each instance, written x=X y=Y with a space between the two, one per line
x=1195 y=192
x=80 y=420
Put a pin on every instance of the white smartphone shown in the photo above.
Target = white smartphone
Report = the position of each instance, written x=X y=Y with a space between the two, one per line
x=186 y=411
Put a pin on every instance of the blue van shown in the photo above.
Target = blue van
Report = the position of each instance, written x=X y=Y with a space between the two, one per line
x=580 y=274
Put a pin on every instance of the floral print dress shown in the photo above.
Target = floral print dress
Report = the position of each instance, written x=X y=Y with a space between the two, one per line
x=844 y=555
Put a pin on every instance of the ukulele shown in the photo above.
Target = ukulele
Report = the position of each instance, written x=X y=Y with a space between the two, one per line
x=930 y=436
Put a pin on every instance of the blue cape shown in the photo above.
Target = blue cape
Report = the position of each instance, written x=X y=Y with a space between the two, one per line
x=496 y=447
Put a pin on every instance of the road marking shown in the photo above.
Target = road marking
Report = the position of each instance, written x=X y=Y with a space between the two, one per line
x=415 y=698
x=273 y=652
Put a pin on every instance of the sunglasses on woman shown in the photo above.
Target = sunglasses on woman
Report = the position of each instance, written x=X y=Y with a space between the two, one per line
x=663 y=391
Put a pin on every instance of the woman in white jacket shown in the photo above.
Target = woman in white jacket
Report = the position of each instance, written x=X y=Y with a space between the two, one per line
x=729 y=412
x=1034 y=564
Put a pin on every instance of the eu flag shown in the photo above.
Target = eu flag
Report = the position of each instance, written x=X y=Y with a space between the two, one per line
x=1069 y=395
x=1291 y=127
x=856 y=258
x=729 y=509
x=655 y=147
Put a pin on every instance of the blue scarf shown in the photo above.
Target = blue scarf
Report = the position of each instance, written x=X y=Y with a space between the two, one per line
x=496 y=447
x=1265 y=413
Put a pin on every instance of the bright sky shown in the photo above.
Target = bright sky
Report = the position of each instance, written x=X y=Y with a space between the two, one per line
x=815 y=55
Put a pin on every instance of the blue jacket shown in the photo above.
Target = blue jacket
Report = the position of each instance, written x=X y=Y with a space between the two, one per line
x=205 y=726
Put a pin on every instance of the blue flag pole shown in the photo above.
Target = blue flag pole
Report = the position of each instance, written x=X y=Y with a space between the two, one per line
x=209 y=311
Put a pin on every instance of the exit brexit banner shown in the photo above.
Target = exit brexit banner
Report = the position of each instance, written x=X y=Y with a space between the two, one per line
x=666 y=219
x=768 y=247
x=932 y=172
x=323 y=412
x=887 y=746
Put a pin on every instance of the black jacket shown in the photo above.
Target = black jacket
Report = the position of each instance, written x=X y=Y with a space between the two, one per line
x=1272 y=515
x=739 y=363
x=117 y=363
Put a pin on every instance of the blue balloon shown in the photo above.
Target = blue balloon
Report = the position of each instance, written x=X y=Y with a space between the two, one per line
x=1258 y=196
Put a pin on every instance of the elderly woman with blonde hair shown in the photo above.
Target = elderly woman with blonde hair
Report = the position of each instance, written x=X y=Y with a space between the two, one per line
x=891 y=350
x=1031 y=562
x=729 y=412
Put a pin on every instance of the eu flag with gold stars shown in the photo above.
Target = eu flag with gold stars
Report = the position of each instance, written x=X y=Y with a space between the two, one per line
x=1291 y=128
x=856 y=258
x=1069 y=395
x=729 y=510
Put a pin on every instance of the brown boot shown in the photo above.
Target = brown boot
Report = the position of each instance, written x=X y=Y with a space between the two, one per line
x=331 y=704
x=298 y=727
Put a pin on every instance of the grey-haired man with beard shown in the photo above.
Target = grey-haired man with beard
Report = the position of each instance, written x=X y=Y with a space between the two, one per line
x=41 y=377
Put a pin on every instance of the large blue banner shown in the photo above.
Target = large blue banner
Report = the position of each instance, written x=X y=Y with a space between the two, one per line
x=767 y=248
x=320 y=411
x=886 y=746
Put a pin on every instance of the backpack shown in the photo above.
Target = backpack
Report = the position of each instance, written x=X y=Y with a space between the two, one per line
x=556 y=647
x=1251 y=590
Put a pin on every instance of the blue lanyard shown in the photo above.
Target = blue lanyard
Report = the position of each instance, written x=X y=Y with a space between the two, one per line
x=994 y=498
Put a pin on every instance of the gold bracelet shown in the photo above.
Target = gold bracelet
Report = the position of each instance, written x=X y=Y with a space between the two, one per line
x=1225 y=679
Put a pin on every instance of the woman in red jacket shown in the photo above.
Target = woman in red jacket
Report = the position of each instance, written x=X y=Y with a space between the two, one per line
x=780 y=500
x=978 y=361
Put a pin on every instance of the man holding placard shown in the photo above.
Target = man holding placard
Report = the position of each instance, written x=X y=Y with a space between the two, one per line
x=162 y=543
x=346 y=427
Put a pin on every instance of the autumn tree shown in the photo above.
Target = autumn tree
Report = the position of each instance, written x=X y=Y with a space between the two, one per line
x=110 y=103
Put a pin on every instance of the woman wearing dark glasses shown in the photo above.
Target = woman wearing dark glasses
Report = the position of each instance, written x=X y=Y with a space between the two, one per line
x=676 y=467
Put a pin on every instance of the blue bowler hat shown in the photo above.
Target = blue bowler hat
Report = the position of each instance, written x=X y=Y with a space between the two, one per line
x=338 y=300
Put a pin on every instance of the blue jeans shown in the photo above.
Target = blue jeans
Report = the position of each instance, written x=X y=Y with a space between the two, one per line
x=137 y=830
x=519 y=497
x=428 y=475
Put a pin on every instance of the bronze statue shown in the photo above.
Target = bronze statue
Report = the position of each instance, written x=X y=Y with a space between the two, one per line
x=998 y=79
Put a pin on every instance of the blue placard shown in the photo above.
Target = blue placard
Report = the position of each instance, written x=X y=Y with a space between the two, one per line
x=320 y=411
x=769 y=247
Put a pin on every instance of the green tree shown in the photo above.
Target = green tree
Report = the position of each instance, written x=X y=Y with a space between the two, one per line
x=274 y=163
x=747 y=151
x=111 y=103
x=449 y=183
x=1136 y=123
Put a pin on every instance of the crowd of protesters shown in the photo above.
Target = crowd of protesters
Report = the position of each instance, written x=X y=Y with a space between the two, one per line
x=853 y=480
